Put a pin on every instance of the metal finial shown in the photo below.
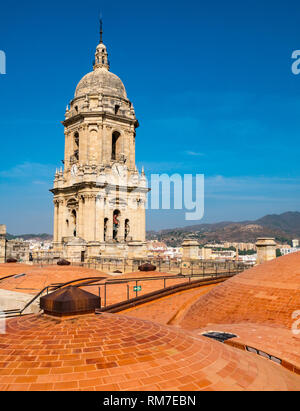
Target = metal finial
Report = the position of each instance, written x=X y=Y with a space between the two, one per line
x=101 y=30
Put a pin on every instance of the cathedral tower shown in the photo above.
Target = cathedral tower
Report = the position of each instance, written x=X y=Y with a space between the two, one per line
x=99 y=196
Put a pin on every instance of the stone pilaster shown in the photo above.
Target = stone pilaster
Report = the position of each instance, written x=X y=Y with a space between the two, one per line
x=2 y=243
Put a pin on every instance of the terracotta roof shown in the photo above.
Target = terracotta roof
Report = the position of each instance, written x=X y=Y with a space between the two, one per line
x=257 y=306
x=37 y=277
x=168 y=310
x=278 y=342
x=266 y=294
x=12 y=268
x=113 y=352
x=118 y=292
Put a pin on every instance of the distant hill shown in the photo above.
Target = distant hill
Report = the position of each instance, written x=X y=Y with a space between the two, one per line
x=38 y=237
x=284 y=227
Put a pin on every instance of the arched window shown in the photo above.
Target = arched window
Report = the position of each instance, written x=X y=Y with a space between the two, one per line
x=74 y=217
x=114 y=148
x=116 y=224
x=127 y=229
x=105 y=228
x=117 y=108
x=76 y=146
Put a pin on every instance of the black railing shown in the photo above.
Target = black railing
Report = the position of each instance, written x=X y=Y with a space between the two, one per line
x=102 y=282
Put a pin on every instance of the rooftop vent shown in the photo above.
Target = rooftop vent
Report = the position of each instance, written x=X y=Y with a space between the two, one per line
x=11 y=260
x=63 y=262
x=219 y=336
x=69 y=301
x=147 y=267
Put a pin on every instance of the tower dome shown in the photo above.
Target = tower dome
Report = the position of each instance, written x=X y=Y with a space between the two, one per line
x=101 y=80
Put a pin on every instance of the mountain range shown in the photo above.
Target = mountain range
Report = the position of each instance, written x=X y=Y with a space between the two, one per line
x=283 y=227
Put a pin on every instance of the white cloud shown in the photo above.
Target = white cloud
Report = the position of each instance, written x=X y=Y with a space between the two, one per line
x=28 y=170
x=194 y=153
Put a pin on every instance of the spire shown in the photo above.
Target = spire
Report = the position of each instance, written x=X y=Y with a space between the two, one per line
x=101 y=31
x=101 y=56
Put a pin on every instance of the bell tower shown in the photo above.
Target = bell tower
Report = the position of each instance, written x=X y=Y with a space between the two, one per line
x=99 y=195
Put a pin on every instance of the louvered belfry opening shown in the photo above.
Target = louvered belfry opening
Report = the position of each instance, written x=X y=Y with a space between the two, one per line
x=68 y=301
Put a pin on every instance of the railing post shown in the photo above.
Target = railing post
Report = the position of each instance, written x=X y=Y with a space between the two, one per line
x=105 y=295
x=128 y=295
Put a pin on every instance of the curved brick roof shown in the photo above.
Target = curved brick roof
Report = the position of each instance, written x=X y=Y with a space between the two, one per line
x=169 y=309
x=118 y=292
x=101 y=81
x=266 y=294
x=12 y=268
x=37 y=277
x=111 y=352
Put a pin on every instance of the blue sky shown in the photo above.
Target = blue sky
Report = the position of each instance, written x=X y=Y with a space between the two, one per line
x=211 y=83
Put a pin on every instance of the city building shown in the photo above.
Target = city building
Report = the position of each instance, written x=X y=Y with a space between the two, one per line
x=285 y=251
x=159 y=249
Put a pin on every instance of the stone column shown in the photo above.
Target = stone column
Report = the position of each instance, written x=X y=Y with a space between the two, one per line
x=190 y=249
x=107 y=144
x=266 y=249
x=83 y=144
x=90 y=217
x=67 y=149
x=109 y=232
x=65 y=229
x=132 y=147
x=55 y=230
x=79 y=217
x=60 y=220
x=100 y=218
x=2 y=243
x=121 y=230
x=143 y=222
x=100 y=143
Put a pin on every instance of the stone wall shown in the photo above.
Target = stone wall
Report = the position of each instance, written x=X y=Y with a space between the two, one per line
x=18 y=249
x=2 y=243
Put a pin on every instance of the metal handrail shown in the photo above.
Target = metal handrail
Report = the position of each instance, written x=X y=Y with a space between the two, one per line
x=52 y=287
x=137 y=280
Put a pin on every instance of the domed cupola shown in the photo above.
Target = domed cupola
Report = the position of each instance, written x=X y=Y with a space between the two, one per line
x=101 y=80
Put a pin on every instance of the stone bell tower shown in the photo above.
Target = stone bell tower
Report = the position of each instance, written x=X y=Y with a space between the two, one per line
x=99 y=195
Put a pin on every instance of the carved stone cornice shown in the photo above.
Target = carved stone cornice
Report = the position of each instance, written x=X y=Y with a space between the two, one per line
x=104 y=115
